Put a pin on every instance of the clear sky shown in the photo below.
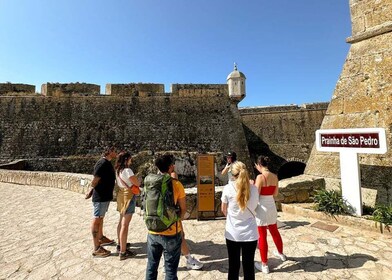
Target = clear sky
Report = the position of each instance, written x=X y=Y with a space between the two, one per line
x=291 y=51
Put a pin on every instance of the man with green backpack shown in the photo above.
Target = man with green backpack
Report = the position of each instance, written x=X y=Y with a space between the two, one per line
x=164 y=207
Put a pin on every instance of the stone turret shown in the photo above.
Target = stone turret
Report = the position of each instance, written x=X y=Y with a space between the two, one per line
x=236 y=84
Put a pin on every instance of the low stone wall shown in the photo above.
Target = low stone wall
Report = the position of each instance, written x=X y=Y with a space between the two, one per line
x=294 y=190
x=298 y=189
x=75 y=182
x=81 y=183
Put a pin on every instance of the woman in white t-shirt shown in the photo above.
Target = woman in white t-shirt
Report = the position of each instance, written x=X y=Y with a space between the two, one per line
x=126 y=201
x=239 y=202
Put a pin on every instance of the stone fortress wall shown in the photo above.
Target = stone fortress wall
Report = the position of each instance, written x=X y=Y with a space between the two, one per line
x=286 y=133
x=363 y=98
x=68 y=123
x=66 y=128
x=199 y=118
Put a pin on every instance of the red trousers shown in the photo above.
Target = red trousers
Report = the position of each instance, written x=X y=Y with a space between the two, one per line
x=263 y=244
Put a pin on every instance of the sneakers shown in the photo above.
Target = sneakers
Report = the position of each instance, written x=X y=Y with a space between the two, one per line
x=118 y=247
x=262 y=267
x=126 y=255
x=282 y=257
x=101 y=253
x=192 y=263
x=104 y=241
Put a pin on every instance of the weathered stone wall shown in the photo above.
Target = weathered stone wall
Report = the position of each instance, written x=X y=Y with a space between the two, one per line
x=363 y=98
x=282 y=132
x=57 y=89
x=370 y=18
x=8 y=88
x=199 y=90
x=133 y=89
x=45 y=129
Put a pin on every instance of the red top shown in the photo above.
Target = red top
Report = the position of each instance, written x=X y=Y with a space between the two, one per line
x=267 y=190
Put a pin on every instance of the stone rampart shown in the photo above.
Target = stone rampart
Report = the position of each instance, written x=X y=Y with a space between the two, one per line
x=42 y=128
x=362 y=99
x=369 y=18
x=9 y=88
x=199 y=90
x=57 y=89
x=135 y=89
x=282 y=132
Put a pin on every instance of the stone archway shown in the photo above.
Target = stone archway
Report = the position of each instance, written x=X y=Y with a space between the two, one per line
x=291 y=169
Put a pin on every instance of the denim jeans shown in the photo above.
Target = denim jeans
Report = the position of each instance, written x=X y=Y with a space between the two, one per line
x=170 y=246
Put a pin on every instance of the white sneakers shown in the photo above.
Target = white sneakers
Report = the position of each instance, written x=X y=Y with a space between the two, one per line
x=262 y=267
x=192 y=263
x=282 y=257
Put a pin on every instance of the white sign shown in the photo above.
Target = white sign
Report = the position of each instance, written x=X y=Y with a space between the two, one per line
x=350 y=142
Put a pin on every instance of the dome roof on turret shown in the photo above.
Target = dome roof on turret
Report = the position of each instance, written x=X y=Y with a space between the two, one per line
x=235 y=73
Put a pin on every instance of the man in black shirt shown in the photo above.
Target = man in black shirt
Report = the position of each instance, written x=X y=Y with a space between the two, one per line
x=103 y=185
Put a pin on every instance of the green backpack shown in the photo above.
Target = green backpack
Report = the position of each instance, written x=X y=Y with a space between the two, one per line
x=160 y=211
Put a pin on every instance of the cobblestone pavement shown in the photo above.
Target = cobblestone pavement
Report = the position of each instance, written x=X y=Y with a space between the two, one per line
x=45 y=234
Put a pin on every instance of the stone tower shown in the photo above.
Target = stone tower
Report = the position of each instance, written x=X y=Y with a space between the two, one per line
x=363 y=98
x=236 y=84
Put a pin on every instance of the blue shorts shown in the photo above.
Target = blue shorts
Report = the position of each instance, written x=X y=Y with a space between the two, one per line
x=131 y=206
x=100 y=209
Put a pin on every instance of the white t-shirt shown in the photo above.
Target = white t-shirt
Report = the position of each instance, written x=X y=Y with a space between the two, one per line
x=125 y=174
x=240 y=225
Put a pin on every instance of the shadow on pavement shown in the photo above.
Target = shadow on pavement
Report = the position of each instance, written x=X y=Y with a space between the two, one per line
x=328 y=261
x=293 y=224
x=215 y=254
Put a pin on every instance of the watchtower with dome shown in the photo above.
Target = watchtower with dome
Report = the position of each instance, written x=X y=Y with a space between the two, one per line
x=236 y=84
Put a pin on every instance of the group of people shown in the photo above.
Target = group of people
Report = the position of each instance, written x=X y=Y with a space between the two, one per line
x=248 y=205
x=250 y=210
x=170 y=242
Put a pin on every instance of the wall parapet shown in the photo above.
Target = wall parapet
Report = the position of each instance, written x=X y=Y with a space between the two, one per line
x=199 y=90
x=58 y=89
x=284 y=108
x=133 y=89
x=369 y=18
x=8 y=88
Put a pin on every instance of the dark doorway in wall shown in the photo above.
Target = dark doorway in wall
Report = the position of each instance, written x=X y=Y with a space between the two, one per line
x=291 y=169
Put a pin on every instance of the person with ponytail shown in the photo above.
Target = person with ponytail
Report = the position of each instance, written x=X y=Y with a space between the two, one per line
x=126 y=201
x=239 y=202
x=266 y=217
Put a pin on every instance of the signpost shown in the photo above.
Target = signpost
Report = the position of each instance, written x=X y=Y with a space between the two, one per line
x=350 y=142
x=205 y=184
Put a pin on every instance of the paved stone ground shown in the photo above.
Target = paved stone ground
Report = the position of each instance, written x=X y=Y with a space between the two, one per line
x=45 y=234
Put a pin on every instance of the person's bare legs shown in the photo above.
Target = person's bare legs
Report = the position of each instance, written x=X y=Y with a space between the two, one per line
x=126 y=219
x=119 y=228
x=184 y=246
x=97 y=231
x=192 y=263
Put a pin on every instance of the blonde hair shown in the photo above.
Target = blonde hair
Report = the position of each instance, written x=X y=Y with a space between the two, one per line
x=241 y=175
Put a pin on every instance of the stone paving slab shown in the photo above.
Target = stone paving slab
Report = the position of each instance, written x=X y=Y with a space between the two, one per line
x=45 y=234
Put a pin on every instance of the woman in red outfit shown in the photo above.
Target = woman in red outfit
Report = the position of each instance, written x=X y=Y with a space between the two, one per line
x=266 y=214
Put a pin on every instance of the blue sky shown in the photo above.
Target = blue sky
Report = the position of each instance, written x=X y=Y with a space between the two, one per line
x=292 y=52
